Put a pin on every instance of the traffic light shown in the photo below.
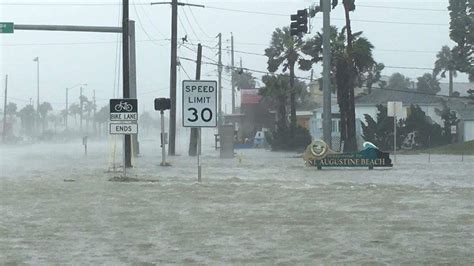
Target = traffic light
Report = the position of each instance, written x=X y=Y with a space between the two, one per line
x=162 y=104
x=299 y=22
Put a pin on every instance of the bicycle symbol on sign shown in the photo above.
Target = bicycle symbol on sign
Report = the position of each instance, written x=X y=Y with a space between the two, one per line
x=123 y=106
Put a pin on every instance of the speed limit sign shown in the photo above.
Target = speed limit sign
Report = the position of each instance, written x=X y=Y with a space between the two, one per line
x=199 y=103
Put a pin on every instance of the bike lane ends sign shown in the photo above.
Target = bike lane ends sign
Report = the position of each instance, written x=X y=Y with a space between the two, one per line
x=123 y=110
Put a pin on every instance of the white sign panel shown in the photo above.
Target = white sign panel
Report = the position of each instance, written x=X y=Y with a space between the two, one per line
x=199 y=103
x=123 y=128
x=453 y=129
x=394 y=109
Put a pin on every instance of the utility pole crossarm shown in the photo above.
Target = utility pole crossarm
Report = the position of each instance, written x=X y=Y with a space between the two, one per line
x=178 y=3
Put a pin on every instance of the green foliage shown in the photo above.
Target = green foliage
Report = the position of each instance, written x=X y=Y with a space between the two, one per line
x=11 y=109
x=244 y=80
x=427 y=133
x=285 y=51
x=428 y=84
x=27 y=116
x=380 y=131
x=461 y=32
x=102 y=116
x=444 y=62
x=398 y=81
x=281 y=139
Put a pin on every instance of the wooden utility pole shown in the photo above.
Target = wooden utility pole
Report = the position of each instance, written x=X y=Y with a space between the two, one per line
x=219 y=80
x=4 y=132
x=95 y=111
x=233 y=71
x=193 y=142
x=126 y=78
x=174 y=47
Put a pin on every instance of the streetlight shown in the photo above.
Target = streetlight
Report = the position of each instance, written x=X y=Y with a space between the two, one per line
x=67 y=99
x=36 y=59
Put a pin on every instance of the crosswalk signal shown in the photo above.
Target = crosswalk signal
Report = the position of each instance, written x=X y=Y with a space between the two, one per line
x=299 y=22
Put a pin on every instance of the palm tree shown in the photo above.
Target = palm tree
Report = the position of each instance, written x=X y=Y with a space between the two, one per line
x=88 y=107
x=276 y=87
x=102 y=117
x=27 y=116
x=244 y=80
x=285 y=50
x=445 y=63
x=11 y=110
x=74 y=109
x=43 y=110
x=348 y=70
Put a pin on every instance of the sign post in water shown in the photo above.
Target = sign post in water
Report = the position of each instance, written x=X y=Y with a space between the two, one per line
x=199 y=108
x=123 y=117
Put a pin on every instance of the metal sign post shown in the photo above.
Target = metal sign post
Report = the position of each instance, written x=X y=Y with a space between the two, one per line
x=394 y=109
x=199 y=109
x=163 y=139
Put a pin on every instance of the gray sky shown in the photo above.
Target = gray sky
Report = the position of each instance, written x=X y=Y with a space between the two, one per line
x=69 y=58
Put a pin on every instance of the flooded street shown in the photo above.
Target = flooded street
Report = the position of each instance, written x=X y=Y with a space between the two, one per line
x=268 y=208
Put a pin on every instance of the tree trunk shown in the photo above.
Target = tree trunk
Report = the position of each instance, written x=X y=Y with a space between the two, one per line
x=348 y=132
x=292 y=100
x=281 y=124
x=450 y=83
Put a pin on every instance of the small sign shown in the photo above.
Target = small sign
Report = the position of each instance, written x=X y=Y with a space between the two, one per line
x=123 y=128
x=123 y=110
x=394 y=109
x=199 y=103
x=453 y=129
x=6 y=27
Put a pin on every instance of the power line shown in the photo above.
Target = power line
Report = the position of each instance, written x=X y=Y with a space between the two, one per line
x=404 y=8
x=190 y=24
x=149 y=20
x=197 y=23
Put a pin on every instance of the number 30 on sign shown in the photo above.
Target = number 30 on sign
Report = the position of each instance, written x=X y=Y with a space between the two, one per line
x=199 y=103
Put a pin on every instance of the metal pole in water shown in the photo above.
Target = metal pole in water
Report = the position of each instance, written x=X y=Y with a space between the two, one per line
x=395 y=137
x=163 y=147
x=199 y=154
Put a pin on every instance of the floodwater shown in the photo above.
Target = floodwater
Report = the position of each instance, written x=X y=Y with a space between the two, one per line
x=58 y=207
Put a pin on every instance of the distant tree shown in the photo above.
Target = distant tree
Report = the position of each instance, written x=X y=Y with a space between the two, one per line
x=75 y=109
x=27 y=116
x=428 y=84
x=461 y=25
x=102 y=116
x=398 y=81
x=146 y=121
x=43 y=109
x=11 y=110
x=449 y=119
x=373 y=76
x=88 y=108
x=277 y=87
x=285 y=51
x=445 y=63
x=244 y=80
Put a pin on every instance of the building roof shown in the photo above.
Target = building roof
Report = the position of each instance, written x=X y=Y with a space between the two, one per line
x=461 y=87
x=408 y=97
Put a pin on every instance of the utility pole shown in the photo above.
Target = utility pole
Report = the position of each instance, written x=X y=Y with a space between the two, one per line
x=67 y=108
x=219 y=81
x=133 y=79
x=233 y=71
x=126 y=78
x=195 y=132
x=5 y=110
x=174 y=47
x=173 y=69
x=327 y=122
x=38 y=94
